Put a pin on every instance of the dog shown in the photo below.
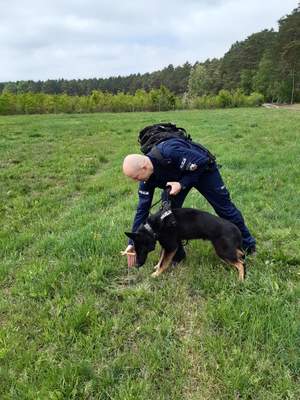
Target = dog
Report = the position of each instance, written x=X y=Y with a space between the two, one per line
x=190 y=223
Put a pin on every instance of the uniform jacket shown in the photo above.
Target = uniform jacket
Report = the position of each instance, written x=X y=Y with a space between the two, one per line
x=185 y=164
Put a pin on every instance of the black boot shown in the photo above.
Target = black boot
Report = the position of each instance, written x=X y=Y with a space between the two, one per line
x=250 y=251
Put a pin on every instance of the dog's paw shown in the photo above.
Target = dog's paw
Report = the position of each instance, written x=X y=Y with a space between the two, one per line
x=156 y=267
x=156 y=273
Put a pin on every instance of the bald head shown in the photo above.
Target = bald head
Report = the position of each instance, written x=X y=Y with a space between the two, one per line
x=137 y=167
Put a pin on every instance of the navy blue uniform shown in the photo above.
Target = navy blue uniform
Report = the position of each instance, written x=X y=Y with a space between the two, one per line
x=188 y=165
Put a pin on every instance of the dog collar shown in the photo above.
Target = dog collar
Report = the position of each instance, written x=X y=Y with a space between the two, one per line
x=149 y=229
x=165 y=214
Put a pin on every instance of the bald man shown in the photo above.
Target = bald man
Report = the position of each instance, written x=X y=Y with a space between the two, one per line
x=181 y=165
x=137 y=167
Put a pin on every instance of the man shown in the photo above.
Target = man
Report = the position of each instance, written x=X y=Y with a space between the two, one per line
x=182 y=165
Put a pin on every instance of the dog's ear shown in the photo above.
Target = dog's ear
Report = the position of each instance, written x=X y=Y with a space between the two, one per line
x=131 y=235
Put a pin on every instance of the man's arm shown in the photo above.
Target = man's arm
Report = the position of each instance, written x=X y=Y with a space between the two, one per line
x=145 y=199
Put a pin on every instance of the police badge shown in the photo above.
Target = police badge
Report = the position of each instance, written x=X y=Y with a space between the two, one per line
x=193 y=167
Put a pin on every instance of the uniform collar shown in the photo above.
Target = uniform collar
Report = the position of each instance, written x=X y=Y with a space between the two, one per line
x=155 y=168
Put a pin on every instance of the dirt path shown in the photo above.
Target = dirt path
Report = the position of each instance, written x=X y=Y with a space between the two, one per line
x=295 y=107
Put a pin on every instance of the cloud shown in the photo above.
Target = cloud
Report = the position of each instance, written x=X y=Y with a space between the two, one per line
x=83 y=39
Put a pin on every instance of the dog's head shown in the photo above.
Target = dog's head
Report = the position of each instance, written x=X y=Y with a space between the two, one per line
x=144 y=242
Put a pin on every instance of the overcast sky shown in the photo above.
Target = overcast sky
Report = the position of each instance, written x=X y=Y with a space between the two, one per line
x=71 y=39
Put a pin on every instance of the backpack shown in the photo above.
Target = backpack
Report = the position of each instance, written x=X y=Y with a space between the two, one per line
x=151 y=135
x=154 y=134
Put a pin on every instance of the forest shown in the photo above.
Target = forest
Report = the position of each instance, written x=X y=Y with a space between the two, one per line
x=265 y=63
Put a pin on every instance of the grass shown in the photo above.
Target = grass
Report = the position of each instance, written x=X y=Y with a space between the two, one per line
x=75 y=324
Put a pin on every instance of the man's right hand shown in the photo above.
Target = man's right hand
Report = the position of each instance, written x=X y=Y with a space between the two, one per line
x=131 y=255
x=175 y=188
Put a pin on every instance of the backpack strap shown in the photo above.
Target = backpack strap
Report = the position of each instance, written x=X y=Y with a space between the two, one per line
x=155 y=153
x=211 y=157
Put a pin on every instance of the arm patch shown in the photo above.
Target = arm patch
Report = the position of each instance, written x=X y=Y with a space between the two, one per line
x=143 y=192
x=182 y=164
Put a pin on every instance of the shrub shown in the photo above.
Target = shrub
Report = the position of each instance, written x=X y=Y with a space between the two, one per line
x=224 y=99
x=255 y=99
x=239 y=99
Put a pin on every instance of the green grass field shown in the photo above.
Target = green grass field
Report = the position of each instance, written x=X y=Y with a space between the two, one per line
x=75 y=324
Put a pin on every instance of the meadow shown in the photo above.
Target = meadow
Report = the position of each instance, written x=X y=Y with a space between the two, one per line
x=75 y=323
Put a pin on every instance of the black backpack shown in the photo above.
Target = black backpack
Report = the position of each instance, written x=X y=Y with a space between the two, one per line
x=151 y=135
x=154 y=134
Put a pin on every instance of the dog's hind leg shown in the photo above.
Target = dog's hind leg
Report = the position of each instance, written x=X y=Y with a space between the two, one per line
x=241 y=260
x=162 y=254
x=239 y=265
x=231 y=255
x=166 y=262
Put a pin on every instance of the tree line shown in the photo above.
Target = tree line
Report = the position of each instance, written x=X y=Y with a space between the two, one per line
x=267 y=62
x=175 y=79
x=161 y=99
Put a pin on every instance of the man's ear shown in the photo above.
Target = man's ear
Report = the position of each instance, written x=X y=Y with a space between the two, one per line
x=145 y=166
x=131 y=235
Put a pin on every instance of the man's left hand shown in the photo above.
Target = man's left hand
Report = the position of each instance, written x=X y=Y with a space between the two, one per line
x=176 y=187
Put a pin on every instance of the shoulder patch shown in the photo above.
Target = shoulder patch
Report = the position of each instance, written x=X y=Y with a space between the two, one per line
x=192 y=167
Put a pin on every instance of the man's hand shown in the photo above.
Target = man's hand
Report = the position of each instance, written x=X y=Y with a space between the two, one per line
x=176 y=187
x=131 y=255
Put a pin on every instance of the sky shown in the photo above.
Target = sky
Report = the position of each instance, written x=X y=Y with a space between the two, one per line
x=76 y=39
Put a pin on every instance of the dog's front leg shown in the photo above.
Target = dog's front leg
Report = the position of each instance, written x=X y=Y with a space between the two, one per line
x=162 y=254
x=165 y=263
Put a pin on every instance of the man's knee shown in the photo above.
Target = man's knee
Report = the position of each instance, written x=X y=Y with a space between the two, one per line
x=230 y=213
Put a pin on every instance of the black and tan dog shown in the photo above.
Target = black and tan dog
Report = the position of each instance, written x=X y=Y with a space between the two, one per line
x=189 y=224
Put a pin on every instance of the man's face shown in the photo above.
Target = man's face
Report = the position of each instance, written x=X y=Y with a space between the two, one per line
x=142 y=174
